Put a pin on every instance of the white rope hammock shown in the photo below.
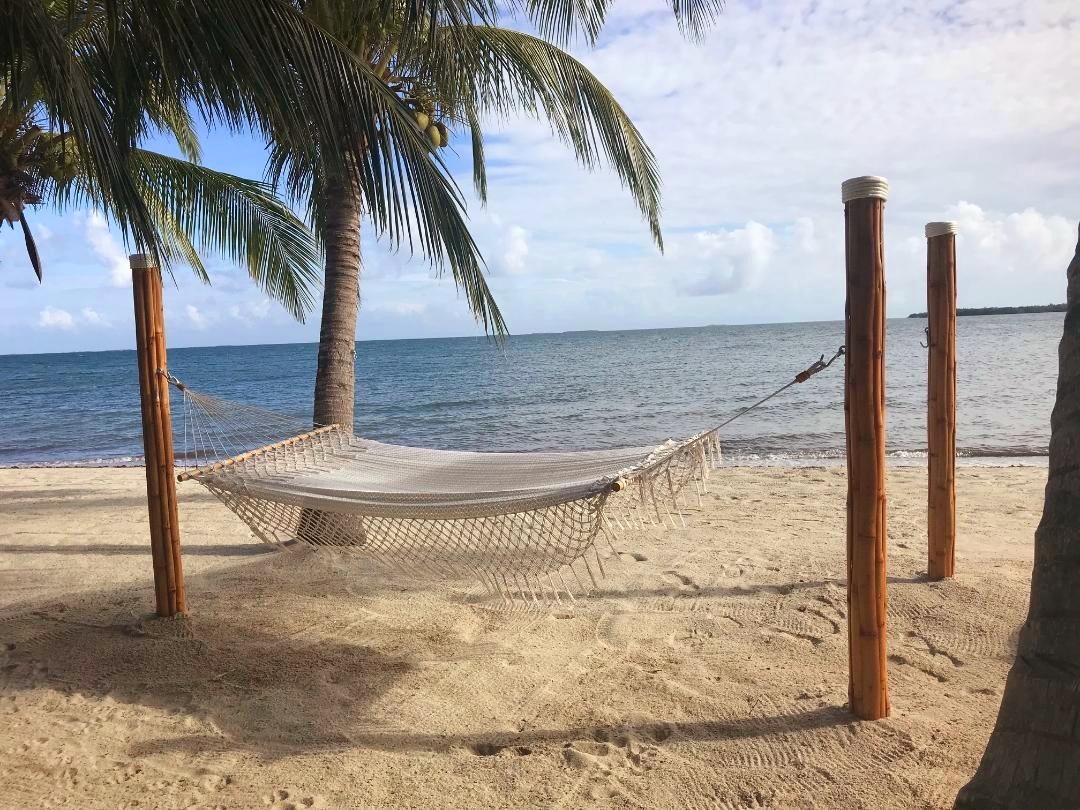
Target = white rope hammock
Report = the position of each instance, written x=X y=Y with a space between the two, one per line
x=523 y=524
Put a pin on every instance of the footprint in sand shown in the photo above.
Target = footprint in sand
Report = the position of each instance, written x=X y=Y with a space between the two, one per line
x=490 y=749
x=614 y=754
x=618 y=749
x=926 y=668
x=746 y=801
x=684 y=581
x=921 y=653
x=291 y=798
x=926 y=643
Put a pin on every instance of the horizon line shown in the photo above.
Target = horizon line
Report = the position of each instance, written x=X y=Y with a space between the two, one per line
x=465 y=337
x=451 y=337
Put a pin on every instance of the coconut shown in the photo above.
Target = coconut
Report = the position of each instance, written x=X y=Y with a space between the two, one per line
x=422 y=119
x=444 y=134
x=434 y=135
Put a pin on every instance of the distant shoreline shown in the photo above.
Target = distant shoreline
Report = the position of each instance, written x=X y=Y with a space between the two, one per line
x=1003 y=310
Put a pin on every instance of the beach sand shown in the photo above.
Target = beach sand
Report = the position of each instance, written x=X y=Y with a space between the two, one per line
x=709 y=673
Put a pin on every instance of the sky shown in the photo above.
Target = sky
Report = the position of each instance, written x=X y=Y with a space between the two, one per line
x=970 y=109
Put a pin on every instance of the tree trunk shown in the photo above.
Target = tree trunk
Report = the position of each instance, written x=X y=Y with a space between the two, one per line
x=1033 y=757
x=335 y=378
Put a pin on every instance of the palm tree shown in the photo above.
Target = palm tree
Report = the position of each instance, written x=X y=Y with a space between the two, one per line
x=264 y=66
x=193 y=208
x=450 y=68
x=1032 y=758
x=87 y=79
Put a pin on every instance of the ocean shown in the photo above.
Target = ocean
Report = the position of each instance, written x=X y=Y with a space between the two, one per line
x=575 y=390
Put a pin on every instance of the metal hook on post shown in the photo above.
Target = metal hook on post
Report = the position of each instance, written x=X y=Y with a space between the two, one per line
x=171 y=379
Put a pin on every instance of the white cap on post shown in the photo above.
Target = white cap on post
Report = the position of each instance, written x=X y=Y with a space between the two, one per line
x=858 y=188
x=940 y=229
x=141 y=261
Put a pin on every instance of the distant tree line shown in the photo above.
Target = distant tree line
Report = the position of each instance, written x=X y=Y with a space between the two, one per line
x=1002 y=310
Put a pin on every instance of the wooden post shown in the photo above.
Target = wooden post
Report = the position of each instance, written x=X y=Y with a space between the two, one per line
x=941 y=400
x=864 y=413
x=157 y=436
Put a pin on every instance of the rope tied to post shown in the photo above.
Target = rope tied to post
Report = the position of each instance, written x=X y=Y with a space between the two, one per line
x=816 y=367
x=819 y=365
x=172 y=379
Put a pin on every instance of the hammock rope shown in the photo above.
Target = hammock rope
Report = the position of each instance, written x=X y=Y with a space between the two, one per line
x=525 y=525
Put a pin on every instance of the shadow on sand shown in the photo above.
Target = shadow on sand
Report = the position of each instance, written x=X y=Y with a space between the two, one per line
x=253 y=549
x=524 y=742
x=266 y=687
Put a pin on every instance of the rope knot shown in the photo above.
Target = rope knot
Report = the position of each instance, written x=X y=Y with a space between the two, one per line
x=819 y=365
x=172 y=379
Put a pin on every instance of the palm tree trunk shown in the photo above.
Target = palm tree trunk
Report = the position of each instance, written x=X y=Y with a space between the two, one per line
x=1033 y=757
x=335 y=378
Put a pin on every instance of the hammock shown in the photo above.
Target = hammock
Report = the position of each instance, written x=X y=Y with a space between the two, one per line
x=523 y=524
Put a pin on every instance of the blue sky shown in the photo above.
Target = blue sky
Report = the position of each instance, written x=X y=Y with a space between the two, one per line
x=968 y=108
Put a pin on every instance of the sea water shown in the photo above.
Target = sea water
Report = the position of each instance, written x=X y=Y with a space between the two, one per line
x=574 y=390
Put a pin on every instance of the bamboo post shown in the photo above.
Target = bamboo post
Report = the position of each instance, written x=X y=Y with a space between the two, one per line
x=157 y=436
x=941 y=399
x=864 y=413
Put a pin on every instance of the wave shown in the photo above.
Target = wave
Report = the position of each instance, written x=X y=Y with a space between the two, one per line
x=836 y=456
x=734 y=455
x=116 y=461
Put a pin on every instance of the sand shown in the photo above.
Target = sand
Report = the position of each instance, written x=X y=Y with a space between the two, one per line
x=710 y=672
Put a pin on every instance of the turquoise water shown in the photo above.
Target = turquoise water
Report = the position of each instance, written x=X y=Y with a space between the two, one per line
x=565 y=391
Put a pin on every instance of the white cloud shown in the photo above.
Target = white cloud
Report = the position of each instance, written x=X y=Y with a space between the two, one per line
x=516 y=249
x=91 y=317
x=55 y=318
x=761 y=123
x=753 y=129
x=1025 y=239
x=104 y=244
x=731 y=261
x=1011 y=258
x=805 y=235
x=196 y=318
x=250 y=312
x=398 y=308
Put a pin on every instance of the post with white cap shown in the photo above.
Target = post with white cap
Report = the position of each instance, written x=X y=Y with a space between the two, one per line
x=864 y=414
x=941 y=400
x=157 y=436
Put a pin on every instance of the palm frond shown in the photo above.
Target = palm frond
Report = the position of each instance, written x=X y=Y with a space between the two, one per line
x=499 y=71
x=480 y=299
x=476 y=139
x=695 y=16
x=31 y=245
x=237 y=218
x=415 y=22
x=171 y=115
x=176 y=241
x=40 y=69
x=304 y=185
x=299 y=180
x=260 y=64
x=564 y=20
